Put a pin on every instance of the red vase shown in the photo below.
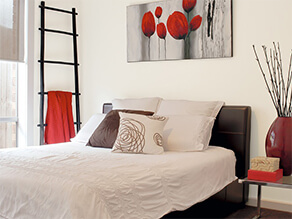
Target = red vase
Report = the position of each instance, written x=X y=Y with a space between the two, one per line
x=279 y=143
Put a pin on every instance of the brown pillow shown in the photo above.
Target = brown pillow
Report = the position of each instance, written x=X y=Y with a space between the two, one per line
x=106 y=133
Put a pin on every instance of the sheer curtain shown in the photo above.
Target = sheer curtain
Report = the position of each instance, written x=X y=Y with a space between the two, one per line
x=11 y=55
x=12 y=30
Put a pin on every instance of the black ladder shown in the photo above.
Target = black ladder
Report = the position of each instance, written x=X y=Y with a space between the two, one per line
x=42 y=61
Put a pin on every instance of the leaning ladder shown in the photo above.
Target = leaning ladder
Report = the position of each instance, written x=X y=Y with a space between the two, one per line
x=42 y=62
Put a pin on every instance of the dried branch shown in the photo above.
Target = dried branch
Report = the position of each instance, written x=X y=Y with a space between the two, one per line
x=277 y=81
x=269 y=68
x=265 y=79
x=276 y=92
x=289 y=114
x=273 y=64
x=280 y=56
x=288 y=85
x=281 y=73
x=280 y=92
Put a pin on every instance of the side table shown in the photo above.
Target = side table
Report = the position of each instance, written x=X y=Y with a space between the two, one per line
x=285 y=182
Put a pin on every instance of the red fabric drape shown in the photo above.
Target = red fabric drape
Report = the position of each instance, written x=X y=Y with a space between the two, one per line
x=59 y=119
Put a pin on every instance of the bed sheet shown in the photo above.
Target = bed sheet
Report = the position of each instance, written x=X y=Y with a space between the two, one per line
x=70 y=180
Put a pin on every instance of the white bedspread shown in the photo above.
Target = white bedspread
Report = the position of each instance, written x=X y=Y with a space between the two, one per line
x=73 y=181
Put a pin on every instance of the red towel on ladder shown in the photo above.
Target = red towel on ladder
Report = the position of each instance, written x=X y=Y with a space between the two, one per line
x=59 y=119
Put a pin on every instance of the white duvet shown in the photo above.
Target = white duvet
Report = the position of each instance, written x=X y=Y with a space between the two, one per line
x=73 y=181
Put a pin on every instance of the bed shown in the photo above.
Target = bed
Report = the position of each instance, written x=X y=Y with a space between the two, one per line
x=69 y=180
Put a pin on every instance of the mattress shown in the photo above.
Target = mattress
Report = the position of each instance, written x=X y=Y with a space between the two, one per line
x=70 y=180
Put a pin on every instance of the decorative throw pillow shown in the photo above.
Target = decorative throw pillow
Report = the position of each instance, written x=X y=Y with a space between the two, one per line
x=186 y=107
x=140 y=134
x=187 y=133
x=86 y=131
x=106 y=133
x=145 y=104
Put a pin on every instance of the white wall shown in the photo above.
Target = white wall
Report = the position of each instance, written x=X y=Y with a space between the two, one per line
x=105 y=73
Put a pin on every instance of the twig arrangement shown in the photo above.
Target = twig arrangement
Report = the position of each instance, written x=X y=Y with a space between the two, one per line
x=280 y=92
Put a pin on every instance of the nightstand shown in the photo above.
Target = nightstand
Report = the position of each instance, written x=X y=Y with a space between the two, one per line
x=285 y=182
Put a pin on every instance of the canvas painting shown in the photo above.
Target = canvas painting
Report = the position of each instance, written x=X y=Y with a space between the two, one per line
x=179 y=29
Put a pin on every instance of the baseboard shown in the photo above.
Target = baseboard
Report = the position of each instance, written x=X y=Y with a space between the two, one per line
x=280 y=206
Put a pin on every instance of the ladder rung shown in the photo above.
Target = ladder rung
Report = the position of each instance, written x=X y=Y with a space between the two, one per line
x=40 y=125
x=57 y=62
x=57 y=9
x=46 y=93
x=58 y=31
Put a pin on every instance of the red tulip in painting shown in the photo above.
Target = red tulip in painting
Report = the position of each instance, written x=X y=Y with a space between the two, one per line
x=148 y=27
x=177 y=25
x=161 y=31
x=195 y=23
x=188 y=5
x=158 y=12
x=148 y=24
x=180 y=27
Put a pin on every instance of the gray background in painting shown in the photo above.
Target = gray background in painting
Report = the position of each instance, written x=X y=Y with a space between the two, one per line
x=201 y=46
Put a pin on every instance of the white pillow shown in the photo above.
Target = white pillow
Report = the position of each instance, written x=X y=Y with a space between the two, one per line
x=86 y=131
x=187 y=133
x=145 y=104
x=186 y=107
x=140 y=134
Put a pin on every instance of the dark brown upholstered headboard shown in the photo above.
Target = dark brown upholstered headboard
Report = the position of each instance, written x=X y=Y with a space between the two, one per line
x=231 y=130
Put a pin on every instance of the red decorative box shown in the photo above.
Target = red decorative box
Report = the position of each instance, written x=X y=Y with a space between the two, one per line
x=265 y=176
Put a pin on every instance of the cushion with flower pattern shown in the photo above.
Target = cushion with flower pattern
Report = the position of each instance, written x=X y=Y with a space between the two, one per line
x=140 y=134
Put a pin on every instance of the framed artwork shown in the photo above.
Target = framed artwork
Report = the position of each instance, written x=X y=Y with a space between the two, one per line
x=179 y=29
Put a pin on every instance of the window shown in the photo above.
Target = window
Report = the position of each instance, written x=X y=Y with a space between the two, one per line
x=12 y=30
x=8 y=106
x=13 y=26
